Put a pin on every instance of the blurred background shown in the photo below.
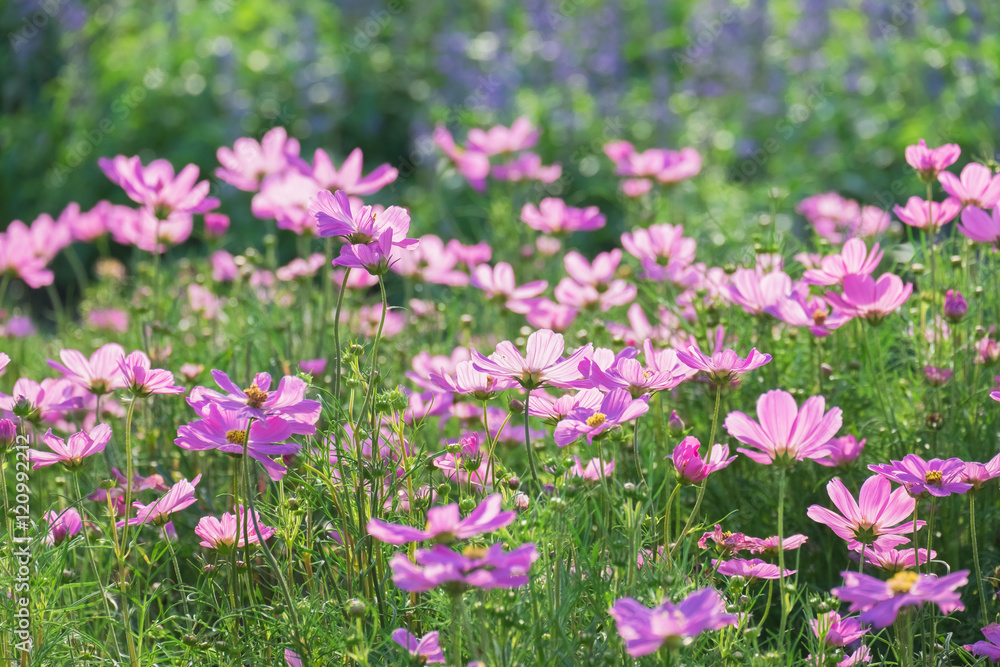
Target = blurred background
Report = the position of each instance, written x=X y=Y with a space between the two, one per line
x=783 y=98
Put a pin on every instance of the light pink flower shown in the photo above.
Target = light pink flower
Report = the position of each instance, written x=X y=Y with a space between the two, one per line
x=527 y=167
x=349 y=178
x=930 y=161
x=499 y=139
x=179 y=496
x=916 y=213
x=498 y=283
x=142 y=380
x=854 y=258
x=756 y=293
x=593 y=471
x=979 y=226
x=232 y=530
x=880 y=517
x=248 y=162
x=62 y=525
x=977 y=186
x=157 y=188
x=617 y=407
x=72 y=452
x=553 y=216
x=842 y=451
x=473 y=164
x=725 y=366
x=546 y=314
x=541 y=366
x=751 y=569
x=99 y=374
x=864 y=297
x=785 y=433
x=431 y=261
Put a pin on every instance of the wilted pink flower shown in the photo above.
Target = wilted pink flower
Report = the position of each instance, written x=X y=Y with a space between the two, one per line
x=929 y=161
x=99 y=375
x=646 y=630
x=444 y=524
x=749 y=569
x=179 y=496
x=553 y=216
x=541 y=366
x=979 y=226
x=936 y=477
x=988 y=648
x=617 y=407
x=689 y=465
x=854 y=259
x=426 y=649
x=785 y=433
x=880 y=601
x=977 y=186
x=498 y=284
x=917 y=214
x=880 y=519
x=62 y=525
x=873 y=301
x=72 y=452
x=231 y=530
x=141 y=380
x=478 y=568
x=842 y=451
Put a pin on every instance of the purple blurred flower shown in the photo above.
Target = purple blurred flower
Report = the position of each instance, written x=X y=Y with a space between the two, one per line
x=749 y=569
x=617 y=407
x=988 y=648
x=426 y=649
x=880 y=601
x=935 y=477
x=476 y=568
x=647 y=630
x=444 y=524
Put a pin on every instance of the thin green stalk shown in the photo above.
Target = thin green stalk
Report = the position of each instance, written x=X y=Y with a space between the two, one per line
x=91 y=558
x=536 y=487
x=781 y=556
x=128 y=469
x=975 y=556
x=666 y=519
x=336 y=337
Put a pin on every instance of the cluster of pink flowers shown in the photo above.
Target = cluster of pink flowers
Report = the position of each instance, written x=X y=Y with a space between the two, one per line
x=641 y=169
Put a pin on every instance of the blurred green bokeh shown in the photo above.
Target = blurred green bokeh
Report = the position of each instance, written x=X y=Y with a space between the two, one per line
x=802 y=96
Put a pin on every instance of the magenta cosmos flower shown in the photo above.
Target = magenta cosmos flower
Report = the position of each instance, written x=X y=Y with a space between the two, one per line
x=629 y=374
x=336 y=217
x=62 y=525
x=687 y=460
x=72 y=452
x=541 y=364
x=348 y=178
x=837 y=631
x=917 y=214
x=375 y=258
x=499 y=139
x=879 y=518
x=755 y=293
x=99 y=374
x=179 y=496
x=593 y=471
x=142 y=380
x=977 y=186
x=499 y=285
x=854 y=258
x=467 y=380
x=156 y=187
x=979 y=226
x=871 y=300
x=785 y=433
x=895 y=560
x=751 y=569
x=930 y=161
x=248 y=162
x=842 y=451
x=425 y=649
x=473 y=164
x=722 y=367
x=617 y=407
x=231 y=530
x=553 y=216
x=988 y=648
x=445 y=526
x=935 y=477
x=476 y=568
x=669 y=625
x=259 y=400
x=880 y=601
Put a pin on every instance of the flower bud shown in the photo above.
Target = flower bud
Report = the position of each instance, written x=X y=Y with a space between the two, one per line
x=515 y=406
x=675 y=424
x=513 y=483
x=521 y=500
x=8 y=434
x=356 y=608
x=955 y=306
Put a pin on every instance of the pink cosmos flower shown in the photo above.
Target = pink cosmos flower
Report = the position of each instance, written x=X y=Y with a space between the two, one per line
x=258 y=400
x=110 y=319
x=977 y=186
x=231 y=530
x=978 y=474
x=880 y=519
x=527 y=167
x=425 y=366
x=468 y=380
x=292 y=659
x=141 y=380
x=854 y=258
x=216 y=225
x=4 y=360
x=989 y=351
x=658 y=247
x=726 y=542
x=988 y=648
x=499 y=139
x=178 y=497
x=785 y=433
x=769 y=545
x=285 y=197
x=374 y=258
x=873 y=301
x=842 y=451
x=301 y=268
x=470 y=465
x=86 y=226
x=691 y=469
x=249 y=162
x=895 y=560
x=444 y=525
x=646 y=630
x=930 y=161
x=472 y=164
x=755 y=293
x=72 y=452
x=99 y=375
x=553 y=216
x=157 y=188
x=16 y=259
x=751 y=569
x=226 y=431
x=336 y=217
x=723 y=367
x=935 y=477
x=593 y=471
x=485 y=569
x=540 y=366
x=498 y=284
x=979 y=226
x=546 y=314
x=801 y=309
x=833 y=630
x=629 y=374
x=431 y=261
x=617 y=407
x=916 y=213
x=348 y=178
x=426 y=650
x=666 y=166
x=880 y=601
x=62 y=525
x=45 y=400
x=544 y=406
x=139 y=483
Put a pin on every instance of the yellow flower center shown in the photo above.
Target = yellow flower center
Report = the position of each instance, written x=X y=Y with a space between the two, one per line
x=902 y=582
x=819 y=317
x=596 y=419
x=236 y=437
x=934 y=477
x=474 y=552
x=255 y=396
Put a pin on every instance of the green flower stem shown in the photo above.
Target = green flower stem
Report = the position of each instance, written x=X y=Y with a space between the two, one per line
x=975 y=556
